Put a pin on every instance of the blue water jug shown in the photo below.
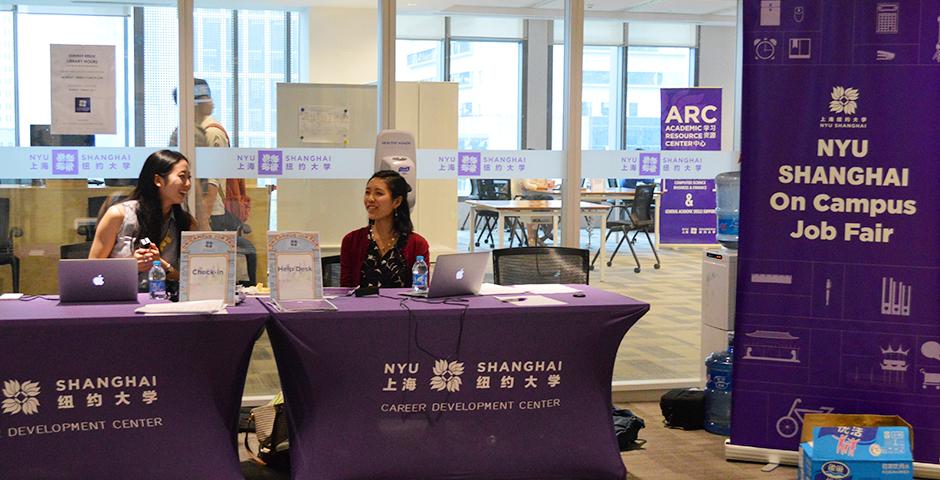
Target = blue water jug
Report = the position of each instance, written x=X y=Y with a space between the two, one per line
x=728 y=197
x=718 y=390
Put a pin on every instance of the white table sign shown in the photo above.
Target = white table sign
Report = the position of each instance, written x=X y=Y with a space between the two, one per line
x=207 y=266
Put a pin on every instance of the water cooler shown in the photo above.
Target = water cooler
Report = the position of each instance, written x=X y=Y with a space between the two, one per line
x=719 y=280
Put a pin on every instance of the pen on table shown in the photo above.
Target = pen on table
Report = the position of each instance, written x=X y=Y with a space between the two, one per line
x=514 y=299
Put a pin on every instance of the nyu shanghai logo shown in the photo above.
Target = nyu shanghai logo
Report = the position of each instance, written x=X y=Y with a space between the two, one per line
x=844 y=100
x=20 y=397
x=65 y=162
x=649 y=163
x=843 y=109
x=446 y=376
x=270 y=162
x=469 y=164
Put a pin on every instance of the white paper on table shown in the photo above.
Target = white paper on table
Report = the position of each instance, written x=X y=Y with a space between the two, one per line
x=209 y=281
x=546 y=289
x=530 y=300
x=195 y=306
x=493 y=289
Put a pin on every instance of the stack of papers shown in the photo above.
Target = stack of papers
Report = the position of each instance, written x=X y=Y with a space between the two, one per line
x=194 y=306
x=309 y=305
x=530 y=301
x=538 y=289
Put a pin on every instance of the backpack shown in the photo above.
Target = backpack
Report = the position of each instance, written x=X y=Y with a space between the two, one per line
x=271 y=429
x=684 y=408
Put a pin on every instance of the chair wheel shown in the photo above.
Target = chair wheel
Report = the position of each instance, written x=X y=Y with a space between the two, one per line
x=656 y=266
x=477 y=244
x=610 y=264
x=636 y=270
x=592 y=268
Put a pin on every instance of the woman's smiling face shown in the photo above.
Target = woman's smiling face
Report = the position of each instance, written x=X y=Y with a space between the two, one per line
x=175 y=185
x=378 y=200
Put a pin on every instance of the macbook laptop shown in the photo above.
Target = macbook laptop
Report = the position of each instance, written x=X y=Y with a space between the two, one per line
x=456 y=274
x=98 y=280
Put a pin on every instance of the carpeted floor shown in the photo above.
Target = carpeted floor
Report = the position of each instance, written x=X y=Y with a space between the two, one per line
x=663 y=454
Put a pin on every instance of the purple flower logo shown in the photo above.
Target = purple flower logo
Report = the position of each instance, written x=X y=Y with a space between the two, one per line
x=65 y=162
x=468 y=164
x=270 y=162
x=649 y=164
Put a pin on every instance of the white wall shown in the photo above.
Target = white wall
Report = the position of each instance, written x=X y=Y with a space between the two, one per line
x=342 y=45
x=717 y=47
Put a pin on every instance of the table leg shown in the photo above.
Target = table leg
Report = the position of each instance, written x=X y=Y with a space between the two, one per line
x=501 y=224
x=603 y=246
x=473 y=224
x=555 y=237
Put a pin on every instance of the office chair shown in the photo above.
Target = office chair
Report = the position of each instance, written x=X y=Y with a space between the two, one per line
x=7 y=234
x=639 y=218
x=525 y=265
x=490 y=190
x=330 y=267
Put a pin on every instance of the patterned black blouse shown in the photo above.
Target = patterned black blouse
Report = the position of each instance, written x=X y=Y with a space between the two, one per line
x=388 y=271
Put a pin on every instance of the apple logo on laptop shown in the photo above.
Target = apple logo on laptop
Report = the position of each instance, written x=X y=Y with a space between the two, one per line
x=98 y=281
x=460 y=274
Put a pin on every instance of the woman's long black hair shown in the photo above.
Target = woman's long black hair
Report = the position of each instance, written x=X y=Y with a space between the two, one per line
x=150 y=210
x=401 y=217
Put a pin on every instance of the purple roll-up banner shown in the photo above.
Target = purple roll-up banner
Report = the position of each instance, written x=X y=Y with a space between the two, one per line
x=691 y=118
x=837 y=307
x=687 y=212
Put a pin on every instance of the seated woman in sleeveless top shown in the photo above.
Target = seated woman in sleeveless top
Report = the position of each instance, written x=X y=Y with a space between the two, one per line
x=383 y=253
x=153 y=211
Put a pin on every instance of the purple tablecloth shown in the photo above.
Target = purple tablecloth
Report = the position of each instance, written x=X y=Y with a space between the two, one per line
x=97 y=391
x=508 y=391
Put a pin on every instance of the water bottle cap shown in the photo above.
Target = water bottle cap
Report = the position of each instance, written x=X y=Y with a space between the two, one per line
x=156 y=263
x=420 y=258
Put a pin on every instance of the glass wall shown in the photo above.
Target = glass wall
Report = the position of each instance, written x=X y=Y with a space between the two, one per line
x=7 y=91
x=242 y=55
x=488 y=75
x=648 y=70
x=601 y=96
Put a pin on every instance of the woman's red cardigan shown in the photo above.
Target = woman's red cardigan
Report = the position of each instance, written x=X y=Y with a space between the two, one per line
x=353 y=253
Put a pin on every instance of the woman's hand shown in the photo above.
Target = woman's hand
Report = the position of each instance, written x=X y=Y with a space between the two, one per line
x=145 y=257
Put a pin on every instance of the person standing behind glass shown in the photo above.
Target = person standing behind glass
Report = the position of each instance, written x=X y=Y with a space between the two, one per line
x=383 y=253
x=225 y=202
x=153 y=211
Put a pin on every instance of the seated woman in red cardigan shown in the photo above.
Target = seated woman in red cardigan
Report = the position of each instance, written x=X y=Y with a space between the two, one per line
x=383 y=253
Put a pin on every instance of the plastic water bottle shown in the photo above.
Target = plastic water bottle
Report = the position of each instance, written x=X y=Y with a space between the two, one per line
x=156 y=281
x=419 y=275
x=729 y=191
x=718 y=390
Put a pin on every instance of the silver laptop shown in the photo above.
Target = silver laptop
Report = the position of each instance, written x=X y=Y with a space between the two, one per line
x=98 y=280
x=456 y=274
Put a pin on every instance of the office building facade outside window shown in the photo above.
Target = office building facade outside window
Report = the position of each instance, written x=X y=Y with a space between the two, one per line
x=648 y=70
x=601 y=97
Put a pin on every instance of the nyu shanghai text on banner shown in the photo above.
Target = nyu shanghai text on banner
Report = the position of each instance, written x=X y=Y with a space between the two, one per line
x=840 y=247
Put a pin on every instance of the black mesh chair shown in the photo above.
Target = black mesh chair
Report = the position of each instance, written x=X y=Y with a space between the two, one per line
x=474 y=195
x=331 y=273
x=639 y=218
x=515 y=266
x=75 y=250
x=487 y=221
x=7 y=234
x=95 y=205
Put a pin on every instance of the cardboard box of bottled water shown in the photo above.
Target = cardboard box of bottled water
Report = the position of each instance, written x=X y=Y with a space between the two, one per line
x=856 y=453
